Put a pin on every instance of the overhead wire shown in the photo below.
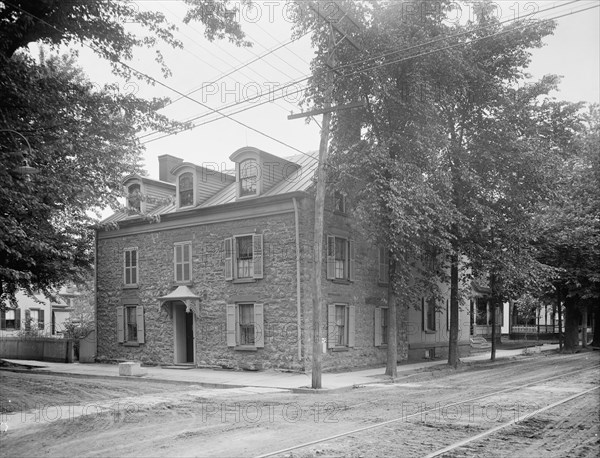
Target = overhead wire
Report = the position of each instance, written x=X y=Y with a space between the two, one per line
x=160 y=83
x=224 y=115
x=503 y=32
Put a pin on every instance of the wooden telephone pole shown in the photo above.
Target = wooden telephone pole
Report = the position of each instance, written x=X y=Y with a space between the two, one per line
x=327 y=110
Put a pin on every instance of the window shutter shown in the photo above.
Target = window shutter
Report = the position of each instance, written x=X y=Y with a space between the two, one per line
x=259 y=326
x=351 y=258
x=41 y=319
x=351 y=324
x=120 y=324
x=231 y=331
x=139 y=316
x=377 y=327
x=330 y=257
x=423 y=314
x=17 y=318
x=3 y=320
x=228 y=251
x=27 y=319
x=331 y=328
x=257 y=255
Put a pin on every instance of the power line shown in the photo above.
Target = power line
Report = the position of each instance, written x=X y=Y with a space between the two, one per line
x=380 y=65
x=166 y=86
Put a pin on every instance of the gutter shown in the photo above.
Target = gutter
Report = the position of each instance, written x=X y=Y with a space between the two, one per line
x=298 y=299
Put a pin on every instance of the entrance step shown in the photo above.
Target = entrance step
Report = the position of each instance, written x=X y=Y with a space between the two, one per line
x=180 y=366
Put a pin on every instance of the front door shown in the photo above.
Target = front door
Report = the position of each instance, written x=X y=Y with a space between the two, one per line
x=189 y=337
x=183 y=324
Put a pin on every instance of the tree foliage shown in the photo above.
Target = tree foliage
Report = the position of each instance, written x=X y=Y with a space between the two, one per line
x=454 y=150
x=80 y=137
x=103 y=25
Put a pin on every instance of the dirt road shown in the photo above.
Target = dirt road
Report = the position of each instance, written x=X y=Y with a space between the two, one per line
x=421 y=415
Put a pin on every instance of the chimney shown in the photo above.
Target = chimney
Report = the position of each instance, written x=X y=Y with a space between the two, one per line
x=166 y=163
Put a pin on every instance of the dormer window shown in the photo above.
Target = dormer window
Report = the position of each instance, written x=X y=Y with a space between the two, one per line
x=186 y=190
x=134 y=197
x=248 y=177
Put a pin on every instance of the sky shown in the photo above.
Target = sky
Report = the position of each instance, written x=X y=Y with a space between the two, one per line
x=573 y=52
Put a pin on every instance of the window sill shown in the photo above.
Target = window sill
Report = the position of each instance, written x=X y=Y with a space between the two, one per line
x=183 y=283
x=380 y=283
x=337 y=212
x=244 y=280
x=382 y=345
x=136 y=286
x=340 y=281
x=429 y=331
x=336 y=349
x=245 y=348
x=131 y=344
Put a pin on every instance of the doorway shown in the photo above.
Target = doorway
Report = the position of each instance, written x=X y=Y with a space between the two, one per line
x=183 y=324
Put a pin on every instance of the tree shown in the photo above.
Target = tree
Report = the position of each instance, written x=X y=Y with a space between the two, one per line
x=80 y=138
x=568 y=225
x=383 y=157
x=102 y=23
x=496 y=164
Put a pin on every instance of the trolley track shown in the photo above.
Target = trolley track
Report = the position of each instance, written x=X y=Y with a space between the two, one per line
x=454 y=402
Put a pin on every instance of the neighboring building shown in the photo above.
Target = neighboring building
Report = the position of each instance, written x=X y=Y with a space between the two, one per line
x=38 y=313
x=213 y=269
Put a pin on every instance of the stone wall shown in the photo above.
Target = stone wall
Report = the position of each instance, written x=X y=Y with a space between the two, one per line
x=277 y=291
x=364 y=293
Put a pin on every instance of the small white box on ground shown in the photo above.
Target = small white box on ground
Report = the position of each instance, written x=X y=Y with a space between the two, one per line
x=131 y=368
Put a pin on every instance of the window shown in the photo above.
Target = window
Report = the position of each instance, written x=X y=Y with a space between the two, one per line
x=244 y=251
x=134 y=197
x=186 y=189
x=243 y=257
x=130 y=267
x=428 y=310
x=340 y=258
x=381 y=326
x=10 y=319
x=248 y=178
x=340 y=325
x=245 y=325
x=384 y=265
x=183 y=262
x=34 y=318
x=339 y=202
x=130 y=324
x=246 y=321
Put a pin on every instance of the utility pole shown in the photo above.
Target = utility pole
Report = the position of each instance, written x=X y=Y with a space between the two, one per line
x=327 y=110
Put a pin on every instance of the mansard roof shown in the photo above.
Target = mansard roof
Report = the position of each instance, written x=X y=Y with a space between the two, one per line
x=300 y=180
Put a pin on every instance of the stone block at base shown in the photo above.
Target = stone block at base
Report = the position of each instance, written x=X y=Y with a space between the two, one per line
x=131 y=369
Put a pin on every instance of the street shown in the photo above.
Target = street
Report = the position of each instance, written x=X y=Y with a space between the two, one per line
x=437 y=413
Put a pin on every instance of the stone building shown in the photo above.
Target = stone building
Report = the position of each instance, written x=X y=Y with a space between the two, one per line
x=213 y=268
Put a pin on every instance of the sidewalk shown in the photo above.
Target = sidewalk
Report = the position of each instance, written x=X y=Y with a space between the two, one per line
x=298 y=382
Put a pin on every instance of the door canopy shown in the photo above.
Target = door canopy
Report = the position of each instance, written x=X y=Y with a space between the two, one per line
x=184 y=294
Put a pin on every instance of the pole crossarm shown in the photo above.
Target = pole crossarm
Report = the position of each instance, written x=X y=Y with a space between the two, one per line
x=324 y=110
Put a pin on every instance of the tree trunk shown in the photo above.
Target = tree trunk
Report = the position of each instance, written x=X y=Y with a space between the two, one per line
x=571 y=325
x=584 y=320
x=596 y=330
x=392 y=346
x=453 y=342
x=560 y=325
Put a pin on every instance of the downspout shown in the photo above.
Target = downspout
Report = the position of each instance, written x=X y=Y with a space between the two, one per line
x=298 y=300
